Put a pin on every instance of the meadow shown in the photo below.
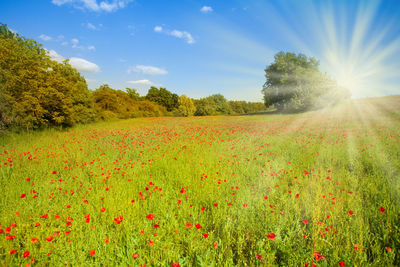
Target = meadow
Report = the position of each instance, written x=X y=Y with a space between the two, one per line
x=320 y=188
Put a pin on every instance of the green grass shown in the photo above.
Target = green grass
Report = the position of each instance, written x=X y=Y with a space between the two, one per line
x=267 y=173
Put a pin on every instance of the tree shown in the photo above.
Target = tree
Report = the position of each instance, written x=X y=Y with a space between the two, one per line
x=133 y=93
x=163 y=97
x=36 y=91
x=295 y=83
x=186 y=106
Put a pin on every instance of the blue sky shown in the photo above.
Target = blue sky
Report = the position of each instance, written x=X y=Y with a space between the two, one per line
x=199 y=48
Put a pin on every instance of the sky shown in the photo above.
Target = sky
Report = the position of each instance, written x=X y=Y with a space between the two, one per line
x=199 y=48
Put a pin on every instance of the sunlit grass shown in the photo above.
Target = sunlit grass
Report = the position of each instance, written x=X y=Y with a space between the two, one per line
x=325 y=183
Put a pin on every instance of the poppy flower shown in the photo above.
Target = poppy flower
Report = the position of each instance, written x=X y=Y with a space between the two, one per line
x=388 y=249
x=198 y=226
x=10 y=237
x=205 y=235
x=382 y=209
x=12 y=251
x=350 y=212
x=92 y=252
x=102 y=210
x=175 y=264
x=26 y=254
x=34 y=240
x=305 y=221
x=341 y=263
x=258 y=256
x=49 y=238
x=22 y=195
x=150 y=216
x=135 y=256
x=271 y=236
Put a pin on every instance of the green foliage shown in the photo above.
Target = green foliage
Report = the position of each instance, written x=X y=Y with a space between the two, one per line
x=163 y=97
x=243 y=107
x=111 y=103
x=186 y=106
x=294 y=83
x=212 y=105
x=133 y=93
x=36 y=91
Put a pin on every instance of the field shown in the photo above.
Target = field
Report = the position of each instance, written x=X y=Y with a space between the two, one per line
x=319 y=188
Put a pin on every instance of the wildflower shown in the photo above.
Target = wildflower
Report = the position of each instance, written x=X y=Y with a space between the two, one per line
x=150 y=216
x=92 y=252
x=26 y=254
x=205 y=235
x=271 y=236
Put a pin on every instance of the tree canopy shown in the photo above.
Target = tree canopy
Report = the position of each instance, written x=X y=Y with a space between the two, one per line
x=294 y=83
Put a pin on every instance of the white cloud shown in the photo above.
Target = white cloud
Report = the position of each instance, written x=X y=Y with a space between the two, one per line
x=90 y=26
x=94 y=5
x=80 y=64
x=91 y=48
x=55 y=56
x=147 y=70
x=44 y=37
x=141 y=82
x=176 y=33
x=206 y=9
x=75 y=43
x=64 y=43
x=83 y=65
x=90 y=80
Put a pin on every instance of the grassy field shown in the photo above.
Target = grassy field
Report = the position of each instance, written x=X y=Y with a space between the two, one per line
x=320 y=188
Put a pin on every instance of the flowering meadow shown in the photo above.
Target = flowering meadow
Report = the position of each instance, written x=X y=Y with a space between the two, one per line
x=315 y=189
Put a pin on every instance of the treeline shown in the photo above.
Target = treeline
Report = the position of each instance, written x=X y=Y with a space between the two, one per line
x=37 y=92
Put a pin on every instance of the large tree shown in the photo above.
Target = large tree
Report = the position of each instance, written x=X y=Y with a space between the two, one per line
x=36 y=91
x=295 y=83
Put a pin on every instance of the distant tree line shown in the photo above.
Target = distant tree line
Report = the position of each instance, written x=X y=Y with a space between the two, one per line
x=37 y=92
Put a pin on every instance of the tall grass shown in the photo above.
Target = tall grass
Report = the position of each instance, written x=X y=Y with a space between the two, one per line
x=316 y=188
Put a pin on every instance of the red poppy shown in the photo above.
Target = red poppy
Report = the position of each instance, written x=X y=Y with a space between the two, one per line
x=156 y=226
x=350 y=212
x=205 y=235
x=388 y=249
x=175 y=264
x=382 y=209
x=102 y=210
x=26 y=254
x=49 y=238
x=92 y=252
x=318 y=256
x=10 y=237
x=12 y=251
x=341 y=263
x=198 y=226
x=271 y=236
x=34 y=240
x=258 y=256
x=22 y=195
x=150 y=216
x=305 y=221
x=135 y=256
